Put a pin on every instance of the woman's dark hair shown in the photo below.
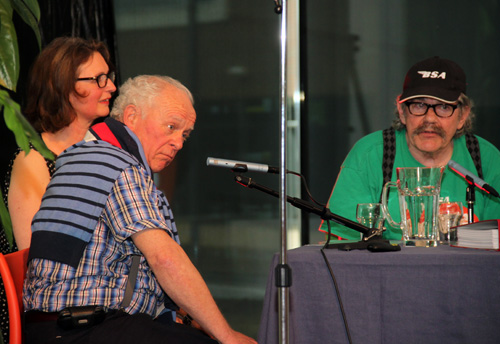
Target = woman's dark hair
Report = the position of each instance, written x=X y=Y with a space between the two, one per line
x=53 y=78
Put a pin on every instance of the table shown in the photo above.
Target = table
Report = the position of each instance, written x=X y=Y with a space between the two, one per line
x=417 y=295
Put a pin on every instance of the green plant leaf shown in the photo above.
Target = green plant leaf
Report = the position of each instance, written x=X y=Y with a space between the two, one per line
x=33 y=6
x=6 y=222
x=29 y=11
x=22 y=129
x=16 y=127
x=9 y=52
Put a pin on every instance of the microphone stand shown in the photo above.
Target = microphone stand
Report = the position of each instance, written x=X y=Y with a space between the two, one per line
x=283 y=271
x=372 y=237
x=470 y=197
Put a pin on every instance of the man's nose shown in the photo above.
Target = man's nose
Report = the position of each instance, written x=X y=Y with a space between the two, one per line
x=178 y=141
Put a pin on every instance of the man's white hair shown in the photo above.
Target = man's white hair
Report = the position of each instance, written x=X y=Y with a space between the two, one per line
x=142 y=91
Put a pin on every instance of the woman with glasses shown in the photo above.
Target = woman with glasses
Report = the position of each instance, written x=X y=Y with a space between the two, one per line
x=70 y=86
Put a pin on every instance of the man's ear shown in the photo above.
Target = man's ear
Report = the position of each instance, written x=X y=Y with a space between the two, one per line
x=401 y=112
x=130 y=116
x=465 y=114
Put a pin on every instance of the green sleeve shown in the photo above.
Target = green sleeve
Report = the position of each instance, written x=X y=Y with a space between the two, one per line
x=490 y=162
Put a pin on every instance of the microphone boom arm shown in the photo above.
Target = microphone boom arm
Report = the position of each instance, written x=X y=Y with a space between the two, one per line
x=323 y=212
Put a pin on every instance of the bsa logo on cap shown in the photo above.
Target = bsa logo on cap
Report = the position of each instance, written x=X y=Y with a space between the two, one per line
x=432 y=75
x=436 y=78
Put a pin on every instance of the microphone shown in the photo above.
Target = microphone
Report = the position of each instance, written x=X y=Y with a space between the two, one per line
x=469 y=176
x=241 y=166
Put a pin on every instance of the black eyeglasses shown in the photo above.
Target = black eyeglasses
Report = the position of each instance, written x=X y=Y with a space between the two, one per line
x=442 y=110
x=102 y=79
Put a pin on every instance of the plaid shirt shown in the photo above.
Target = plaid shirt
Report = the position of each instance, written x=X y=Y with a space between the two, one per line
x=134 y=204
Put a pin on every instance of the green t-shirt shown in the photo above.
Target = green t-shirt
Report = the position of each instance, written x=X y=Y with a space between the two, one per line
x=360 y=181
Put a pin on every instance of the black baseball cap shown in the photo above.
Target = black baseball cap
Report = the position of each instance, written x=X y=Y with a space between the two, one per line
x=436 y=78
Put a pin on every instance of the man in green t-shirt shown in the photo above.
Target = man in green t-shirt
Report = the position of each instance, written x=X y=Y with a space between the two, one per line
x=433 y=122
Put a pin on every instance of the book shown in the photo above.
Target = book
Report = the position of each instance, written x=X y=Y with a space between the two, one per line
x=481 y=234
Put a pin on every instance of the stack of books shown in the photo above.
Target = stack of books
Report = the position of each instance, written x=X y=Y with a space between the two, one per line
x=481 y=234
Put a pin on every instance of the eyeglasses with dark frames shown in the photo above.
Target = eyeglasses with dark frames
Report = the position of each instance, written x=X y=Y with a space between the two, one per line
x=101 y=79
x=442 y=110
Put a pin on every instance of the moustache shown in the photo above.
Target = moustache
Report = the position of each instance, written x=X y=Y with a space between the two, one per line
x=425 y=127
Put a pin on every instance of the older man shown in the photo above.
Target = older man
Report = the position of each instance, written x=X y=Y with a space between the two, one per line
x=433 y=124
x=101 y=210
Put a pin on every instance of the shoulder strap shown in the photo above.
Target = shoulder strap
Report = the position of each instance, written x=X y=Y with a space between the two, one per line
x=389 y=155
x=132 y=277
x=475 y=153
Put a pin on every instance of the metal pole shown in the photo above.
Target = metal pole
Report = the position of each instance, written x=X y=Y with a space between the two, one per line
x=283 y=271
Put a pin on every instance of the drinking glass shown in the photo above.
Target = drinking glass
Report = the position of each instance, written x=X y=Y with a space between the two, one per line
x=450 y=214
x=370 y=215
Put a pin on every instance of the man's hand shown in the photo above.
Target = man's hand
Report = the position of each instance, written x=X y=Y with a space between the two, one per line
x=184 y=318
x=238 y=338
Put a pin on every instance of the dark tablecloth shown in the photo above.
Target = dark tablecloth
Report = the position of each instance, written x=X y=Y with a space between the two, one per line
x=418 y=295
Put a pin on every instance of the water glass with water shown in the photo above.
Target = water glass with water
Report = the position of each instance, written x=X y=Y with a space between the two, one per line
x=370 y=215
x=450 y=214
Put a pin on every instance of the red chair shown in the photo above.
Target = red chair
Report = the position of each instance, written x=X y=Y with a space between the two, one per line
x=13 y=268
